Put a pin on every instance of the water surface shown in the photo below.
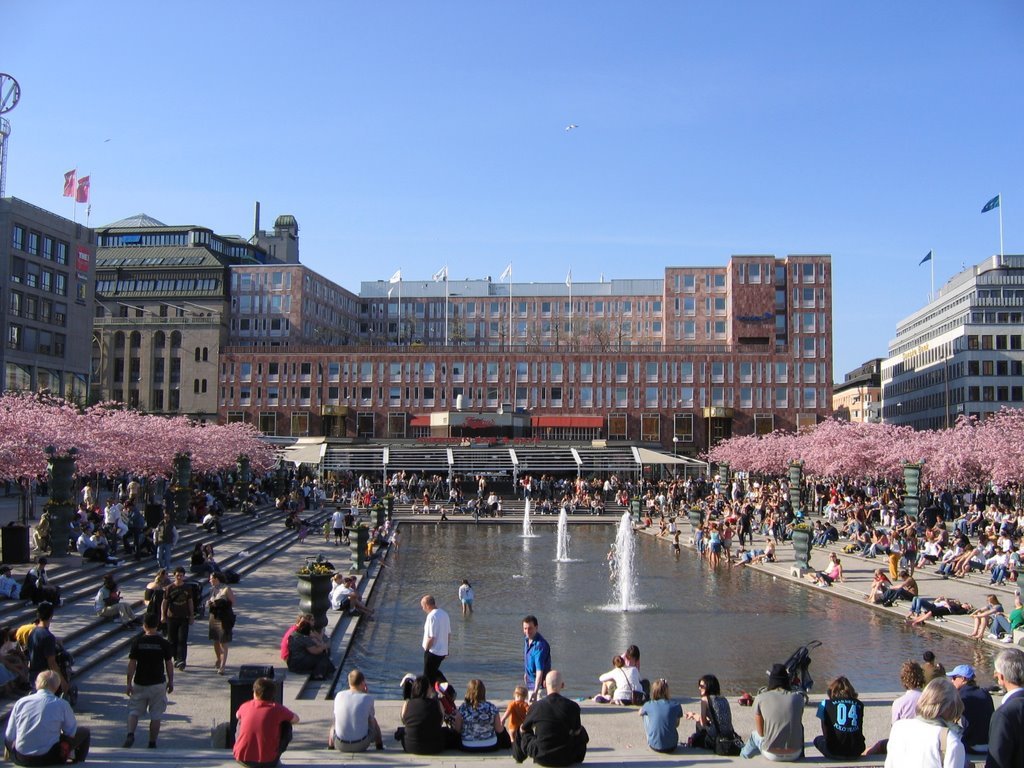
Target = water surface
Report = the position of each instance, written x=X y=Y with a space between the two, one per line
x=733 y=623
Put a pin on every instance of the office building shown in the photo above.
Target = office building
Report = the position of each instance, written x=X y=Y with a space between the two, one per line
x=47 y=300
x=681 y=361
x=961 y=353
x=859 y=398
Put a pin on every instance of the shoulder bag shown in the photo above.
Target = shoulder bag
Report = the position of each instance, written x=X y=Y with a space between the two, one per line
x=725 y=745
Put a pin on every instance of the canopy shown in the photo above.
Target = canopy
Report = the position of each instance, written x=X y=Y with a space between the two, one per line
x=305 y=450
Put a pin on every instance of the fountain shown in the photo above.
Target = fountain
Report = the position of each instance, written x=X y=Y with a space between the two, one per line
x=623 y=582
x=562 y=549
x=527 y=525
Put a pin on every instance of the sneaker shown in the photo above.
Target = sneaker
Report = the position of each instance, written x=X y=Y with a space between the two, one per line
x=993 y=636
x=129 y=741
x=1006 y=639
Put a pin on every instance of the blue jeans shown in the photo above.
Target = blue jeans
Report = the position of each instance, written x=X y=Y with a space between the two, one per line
x=998 y=574
x=753 y=747
x=163 y=555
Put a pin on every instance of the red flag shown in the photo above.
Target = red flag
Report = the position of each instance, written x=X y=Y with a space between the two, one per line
x=69 y=182
x=82 y=193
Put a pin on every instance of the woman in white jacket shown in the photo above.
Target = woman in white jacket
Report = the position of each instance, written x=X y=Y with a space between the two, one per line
x=932 y=738
x=626 y=682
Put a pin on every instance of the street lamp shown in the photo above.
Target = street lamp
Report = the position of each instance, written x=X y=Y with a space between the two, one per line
x=675 y=444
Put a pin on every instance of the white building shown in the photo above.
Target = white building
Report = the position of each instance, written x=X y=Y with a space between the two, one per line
x=962 y=353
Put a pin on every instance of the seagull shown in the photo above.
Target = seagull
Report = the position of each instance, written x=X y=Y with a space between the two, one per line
x=571 y=126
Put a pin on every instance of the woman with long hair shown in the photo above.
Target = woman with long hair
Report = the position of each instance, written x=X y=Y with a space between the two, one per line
x=479 y=722
x=222 y=618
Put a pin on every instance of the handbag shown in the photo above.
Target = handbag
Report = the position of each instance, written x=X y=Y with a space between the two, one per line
x=725 y=745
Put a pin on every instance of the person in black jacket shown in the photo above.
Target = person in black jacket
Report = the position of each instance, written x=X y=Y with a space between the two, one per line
x=552 y=733
x=1006 y=728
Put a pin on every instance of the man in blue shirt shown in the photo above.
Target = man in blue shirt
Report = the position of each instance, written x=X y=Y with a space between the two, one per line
x=536 y=658
x=42 y=729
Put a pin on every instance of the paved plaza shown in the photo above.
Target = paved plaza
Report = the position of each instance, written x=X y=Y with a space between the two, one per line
x=267 y=604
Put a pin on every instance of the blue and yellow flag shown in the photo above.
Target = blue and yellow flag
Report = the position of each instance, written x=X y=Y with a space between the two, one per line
x=993 y=203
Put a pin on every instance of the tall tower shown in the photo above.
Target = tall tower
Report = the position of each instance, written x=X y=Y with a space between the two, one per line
x=10 y=93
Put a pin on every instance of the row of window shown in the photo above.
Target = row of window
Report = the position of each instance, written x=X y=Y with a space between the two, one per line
x=37 y=244
x=161 y=285
x=495 y=372
x=33 y=307
x=35 y=341
x=583 y=397
x=435 y=308
x=27 y=378
x=32 y=275
x=617 y=426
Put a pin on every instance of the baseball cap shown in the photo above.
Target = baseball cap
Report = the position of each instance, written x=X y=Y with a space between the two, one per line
x=962 y=670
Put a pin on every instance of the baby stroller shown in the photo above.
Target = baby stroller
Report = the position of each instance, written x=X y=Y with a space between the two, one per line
x=798 y=669
x=65 y=661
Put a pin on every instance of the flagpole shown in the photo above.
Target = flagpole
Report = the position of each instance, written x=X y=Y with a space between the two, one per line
x=1000 y=228
x=510 y=305
x=399 y=311
x=446 y=304
x=933 y=276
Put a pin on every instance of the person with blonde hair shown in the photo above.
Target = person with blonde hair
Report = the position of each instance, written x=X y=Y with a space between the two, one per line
x=661 y=718
x=479 y=722
x=932 y=738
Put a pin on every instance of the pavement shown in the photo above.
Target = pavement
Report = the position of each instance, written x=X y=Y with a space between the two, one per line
x=267 y=604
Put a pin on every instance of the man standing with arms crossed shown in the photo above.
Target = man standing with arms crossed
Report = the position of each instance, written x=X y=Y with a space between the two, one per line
x=437 y=631
x=536 y=658
x=150 y=679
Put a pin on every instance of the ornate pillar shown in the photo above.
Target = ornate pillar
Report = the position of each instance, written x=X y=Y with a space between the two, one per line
x=60 y=470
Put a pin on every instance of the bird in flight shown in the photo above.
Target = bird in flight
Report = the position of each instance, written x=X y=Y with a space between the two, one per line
x=571 y=126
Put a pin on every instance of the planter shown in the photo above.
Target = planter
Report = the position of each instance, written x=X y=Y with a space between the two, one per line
x=315 y=597
x=358 y=539
x=696 y=517
x=802 y=548
x=60 y=471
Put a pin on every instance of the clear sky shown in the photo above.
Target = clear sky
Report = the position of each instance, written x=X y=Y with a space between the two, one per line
x=411 y=134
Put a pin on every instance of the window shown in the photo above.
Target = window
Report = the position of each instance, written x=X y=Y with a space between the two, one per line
x=689 y=329
x=781 y=372
x=746 y=372
x=618 y=426
x=650 y=428
x=682 y=427
x=650 y=397
x=686 y=371
x=18 y=237
x=781 y=397
x=62 y=252
x=61 y=284
x=689 y=283
x=33 y=243
x=689 y=306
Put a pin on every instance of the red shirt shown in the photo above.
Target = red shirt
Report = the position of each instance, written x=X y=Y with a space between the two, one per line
x=284 y=641
x=258 y=738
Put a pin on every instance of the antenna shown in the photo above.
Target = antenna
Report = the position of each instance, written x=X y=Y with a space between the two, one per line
x=10 y=94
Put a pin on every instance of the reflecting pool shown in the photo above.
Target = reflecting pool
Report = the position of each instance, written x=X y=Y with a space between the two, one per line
x=733 y=623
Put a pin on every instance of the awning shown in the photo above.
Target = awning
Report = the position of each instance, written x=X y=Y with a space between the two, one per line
x=420 y=421
x=582 y=422
x=306 y=450
x=647 y=456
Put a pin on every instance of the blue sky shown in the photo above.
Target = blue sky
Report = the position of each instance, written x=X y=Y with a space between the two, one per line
x=407 y=135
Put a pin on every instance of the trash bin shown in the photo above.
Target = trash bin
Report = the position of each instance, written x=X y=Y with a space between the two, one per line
x=14 y=542
x=241 y=692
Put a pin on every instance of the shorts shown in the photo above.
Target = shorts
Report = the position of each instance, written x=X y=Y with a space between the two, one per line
x=148 y=699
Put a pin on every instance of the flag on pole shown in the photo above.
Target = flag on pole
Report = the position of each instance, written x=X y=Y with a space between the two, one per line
x=397 y=277
x=993 y=203
x=568 y=279
x=507 y=274
x=390 y=290
x=82 y=191
x=69 y=182
x=926 y=259
x=441 y=274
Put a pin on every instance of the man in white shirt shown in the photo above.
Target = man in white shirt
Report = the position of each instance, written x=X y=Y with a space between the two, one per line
x=344 y=596
x=42 y=728
x=437 y=630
